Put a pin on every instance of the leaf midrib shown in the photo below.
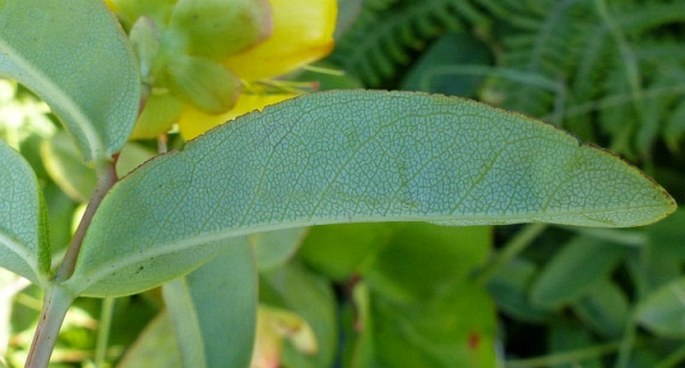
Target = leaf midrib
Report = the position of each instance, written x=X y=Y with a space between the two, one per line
x=76 y=114
x=186 y=243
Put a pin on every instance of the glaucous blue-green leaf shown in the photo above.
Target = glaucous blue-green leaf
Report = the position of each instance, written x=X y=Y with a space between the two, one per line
x=74 y=55
x=23 y=238
x=214 y=309
x=353 y=156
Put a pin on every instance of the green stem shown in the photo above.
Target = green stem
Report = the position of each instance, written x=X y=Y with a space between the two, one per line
x=627 y=343
x=510 y=250
x=569 y=357
x=57 y=301
x=107 y=177
x=55 y=306
x=103 y=331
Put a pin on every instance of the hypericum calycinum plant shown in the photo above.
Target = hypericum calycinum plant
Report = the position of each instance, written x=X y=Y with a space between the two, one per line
x=332 y=157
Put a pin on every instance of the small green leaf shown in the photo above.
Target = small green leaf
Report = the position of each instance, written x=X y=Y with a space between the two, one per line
x=573 y=269
x=23 y=239
x=161 y=111
x=353 y=156
x=204 y=83
x=663 y=311
x=65 y=166
x=132 y=155
x=274 y=248
x=510 y=288
x=220 y=28
x=74 y=55
x=155 y=347
x=214 y=309
x=605 y=308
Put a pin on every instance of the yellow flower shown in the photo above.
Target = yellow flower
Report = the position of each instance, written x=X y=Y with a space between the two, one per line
x=194 y=122
x=196 y=57
x=302 y=33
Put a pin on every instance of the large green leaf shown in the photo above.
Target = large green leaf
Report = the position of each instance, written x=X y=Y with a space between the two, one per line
x=74 y=55
x=352 y=156
x=214 y=309
x=23 y=238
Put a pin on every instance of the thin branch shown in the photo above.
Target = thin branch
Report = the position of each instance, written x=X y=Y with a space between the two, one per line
x=510 y=250
x=55 y=306
x=57 y=301
x=107 y=177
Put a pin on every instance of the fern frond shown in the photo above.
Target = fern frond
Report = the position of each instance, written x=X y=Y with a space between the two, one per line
x=628 y=48
x=386 y=35
x=542 y=41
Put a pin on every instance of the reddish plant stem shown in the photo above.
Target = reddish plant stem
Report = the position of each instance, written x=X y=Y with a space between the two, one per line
x=57 y=301
x=107 y=177
x=55 y=306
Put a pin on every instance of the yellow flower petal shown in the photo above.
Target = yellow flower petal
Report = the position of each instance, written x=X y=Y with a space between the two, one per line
x=302 y=33
x=194 y=123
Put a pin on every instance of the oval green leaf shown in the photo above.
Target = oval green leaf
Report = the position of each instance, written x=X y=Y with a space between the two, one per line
x=275 y=248
x=573 y=270
x=75 y=56
x=23 y=240
x=663 y=311
x=353 y=156
x=214 y=309
x=65 y=166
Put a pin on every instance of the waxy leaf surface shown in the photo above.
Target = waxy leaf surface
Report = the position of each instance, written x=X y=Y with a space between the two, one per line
x=23 y=242
x=353 y=156
x=74 y=55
